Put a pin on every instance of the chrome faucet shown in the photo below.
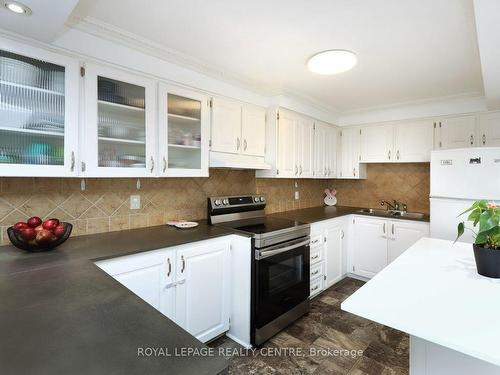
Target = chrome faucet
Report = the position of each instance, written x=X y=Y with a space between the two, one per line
x=396 y=206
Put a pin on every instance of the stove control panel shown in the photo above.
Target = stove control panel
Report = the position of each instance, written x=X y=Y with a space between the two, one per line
x=236 y=201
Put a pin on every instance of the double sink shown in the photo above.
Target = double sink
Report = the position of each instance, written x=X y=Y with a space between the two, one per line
x=392 y=213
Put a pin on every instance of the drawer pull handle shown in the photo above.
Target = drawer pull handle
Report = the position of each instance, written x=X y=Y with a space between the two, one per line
x=315 y=241
x=315 y=257
x=315 y=288
x=315 y=272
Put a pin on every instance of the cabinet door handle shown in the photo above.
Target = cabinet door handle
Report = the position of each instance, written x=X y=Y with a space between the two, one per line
x=296 y=170
x=397 y=154
x=169 y=267
x=183 y=264
x=384 y=228
x=389 y=155
x=164 y=164
x=315 y=288
x=72 y=161
x=472 y=140
x=300 y=169
x=342 y=234
x=325 y=172
x=354 y=171
x=392 y=229
x=484 y=139
x=237 y=143
x=152 y=165
x=84 y=166
x=244 y=145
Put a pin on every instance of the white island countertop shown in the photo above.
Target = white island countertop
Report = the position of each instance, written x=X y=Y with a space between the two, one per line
x=432 y=291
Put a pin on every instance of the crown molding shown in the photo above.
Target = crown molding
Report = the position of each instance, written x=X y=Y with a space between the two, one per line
x=115 y=34
x=438 y=106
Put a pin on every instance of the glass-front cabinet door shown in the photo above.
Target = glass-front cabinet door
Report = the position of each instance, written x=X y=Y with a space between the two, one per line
x=38 y=112
x=183 y=132
x=120 y=124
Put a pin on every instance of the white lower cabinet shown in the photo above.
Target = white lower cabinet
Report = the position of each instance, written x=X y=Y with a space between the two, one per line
x=202 y=292
x=190 y=284
x=403 y=234
x=369 y=246
x=377 y=242
x=328 y=247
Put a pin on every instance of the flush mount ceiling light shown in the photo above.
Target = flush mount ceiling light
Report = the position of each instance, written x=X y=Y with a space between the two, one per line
x=334 y=61
x=17 y=7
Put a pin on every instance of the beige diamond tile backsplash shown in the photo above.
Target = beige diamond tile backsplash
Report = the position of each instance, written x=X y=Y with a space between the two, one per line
x=104 y=205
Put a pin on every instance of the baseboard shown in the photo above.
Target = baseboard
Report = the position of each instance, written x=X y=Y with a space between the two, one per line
x=235 y=339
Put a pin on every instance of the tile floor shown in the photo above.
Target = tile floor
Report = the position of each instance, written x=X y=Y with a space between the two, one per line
x=373 y=349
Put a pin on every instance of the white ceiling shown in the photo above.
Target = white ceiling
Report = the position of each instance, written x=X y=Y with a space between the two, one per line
x=45 y=21
x=408 y=50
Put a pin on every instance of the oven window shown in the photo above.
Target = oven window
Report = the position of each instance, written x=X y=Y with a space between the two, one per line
x=285 y=274
x=282 y=282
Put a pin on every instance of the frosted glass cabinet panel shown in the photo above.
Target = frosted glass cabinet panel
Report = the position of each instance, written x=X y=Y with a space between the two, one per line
x=120 y=124
x=183 y=132
x=38 y=112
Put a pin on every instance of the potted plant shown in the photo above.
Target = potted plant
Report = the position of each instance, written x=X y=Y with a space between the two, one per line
x=487 y=238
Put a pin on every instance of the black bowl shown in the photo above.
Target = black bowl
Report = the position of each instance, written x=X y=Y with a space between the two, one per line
x=16 y=240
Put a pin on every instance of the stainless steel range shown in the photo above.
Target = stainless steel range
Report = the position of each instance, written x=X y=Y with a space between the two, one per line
x=280 y=261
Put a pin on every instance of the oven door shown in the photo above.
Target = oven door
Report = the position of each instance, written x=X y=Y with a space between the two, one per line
x=282 y=279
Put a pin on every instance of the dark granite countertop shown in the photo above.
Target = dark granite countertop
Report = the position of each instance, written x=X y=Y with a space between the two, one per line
x=60 y=314
x=315 y=214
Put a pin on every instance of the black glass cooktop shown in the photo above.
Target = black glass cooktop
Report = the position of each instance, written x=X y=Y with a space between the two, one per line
x=262 y=225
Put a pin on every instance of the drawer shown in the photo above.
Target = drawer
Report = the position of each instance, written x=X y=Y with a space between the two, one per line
x=317 y=270
x=316 y=255
x=316 y=240
x=317 y=285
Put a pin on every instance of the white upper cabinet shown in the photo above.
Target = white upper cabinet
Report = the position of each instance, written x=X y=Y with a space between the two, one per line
x=320 y=150
x=226 y=126
x=183 y=131
x=253 y=131
x=376 y=142
x=413 y=142
x=325 y=150
x=286 y=145
x=331 y=152
x=349 y=155
x=457 y=132
x=38 y=112
x=120 y=124
x=304 y=136
x=238 y=136
x=489 y=130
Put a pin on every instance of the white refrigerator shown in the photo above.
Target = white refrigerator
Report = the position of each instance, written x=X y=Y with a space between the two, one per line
x=458 y=178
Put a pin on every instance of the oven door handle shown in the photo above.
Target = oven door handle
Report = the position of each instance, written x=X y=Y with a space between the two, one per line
x=261 y=254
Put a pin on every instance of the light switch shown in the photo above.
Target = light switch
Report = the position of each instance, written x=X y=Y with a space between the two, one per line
x=135 y=202
x=296 y=195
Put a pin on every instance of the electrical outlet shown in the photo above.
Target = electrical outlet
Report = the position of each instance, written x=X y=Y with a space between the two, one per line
x=296 y=195
x=135 y=202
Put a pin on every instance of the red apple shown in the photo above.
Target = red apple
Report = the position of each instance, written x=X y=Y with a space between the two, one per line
x=28 y=233
x=20 y=225
x=50 y=224
x=59 y=230
x=44 y=237
x=34 y=221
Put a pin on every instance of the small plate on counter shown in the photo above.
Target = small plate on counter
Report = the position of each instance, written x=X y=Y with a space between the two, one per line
x=186 y=224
